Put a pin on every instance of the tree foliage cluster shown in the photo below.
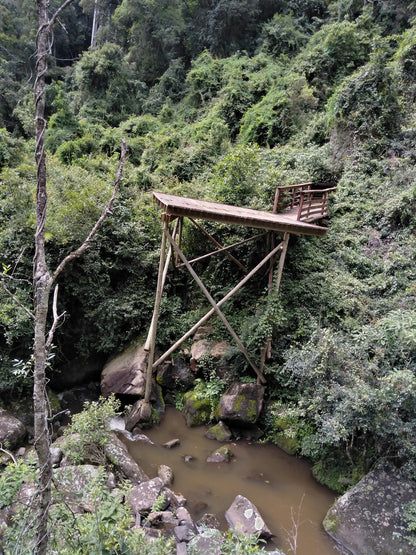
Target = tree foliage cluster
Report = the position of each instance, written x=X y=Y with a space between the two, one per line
x=225 y=100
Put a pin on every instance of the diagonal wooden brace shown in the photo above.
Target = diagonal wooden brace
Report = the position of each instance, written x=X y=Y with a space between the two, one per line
x=208 y=315
x=214 y=304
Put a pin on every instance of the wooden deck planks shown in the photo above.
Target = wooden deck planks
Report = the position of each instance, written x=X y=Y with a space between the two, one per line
x=174 y=206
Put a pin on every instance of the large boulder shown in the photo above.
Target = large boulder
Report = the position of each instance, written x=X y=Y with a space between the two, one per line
x=244 y=518
x=175 y=376
x=368 y=519
x=196 y=410
x=117 y=453
x=242 y=403
x=75 y=484
x=144 y=496
x=12 y=430
x=126 y=373
x=204 y=348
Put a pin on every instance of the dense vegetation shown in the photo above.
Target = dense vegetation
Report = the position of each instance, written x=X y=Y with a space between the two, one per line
x=225 y=100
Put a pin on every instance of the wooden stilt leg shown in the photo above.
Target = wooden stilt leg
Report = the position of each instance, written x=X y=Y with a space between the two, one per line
x=153 y=325
x=266 y=352
x=214 y=305
x=286 y=238
x=165 y=272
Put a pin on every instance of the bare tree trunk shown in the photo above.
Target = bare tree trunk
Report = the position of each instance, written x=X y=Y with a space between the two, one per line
x=41 y=286
x=43 y=280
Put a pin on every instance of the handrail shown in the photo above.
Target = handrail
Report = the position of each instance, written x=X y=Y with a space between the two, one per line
x=311 y=203
x=319 y=190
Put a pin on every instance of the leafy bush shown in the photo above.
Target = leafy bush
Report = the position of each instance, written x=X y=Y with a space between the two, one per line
x=354 y=397
x=88 y=432
x=283 y=34
x=13 y=477
x=334 y=52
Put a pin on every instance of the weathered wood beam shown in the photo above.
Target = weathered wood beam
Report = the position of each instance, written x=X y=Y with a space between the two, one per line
x=286 y=238
x=153 y=326
x=164 y=275
x=222 y=249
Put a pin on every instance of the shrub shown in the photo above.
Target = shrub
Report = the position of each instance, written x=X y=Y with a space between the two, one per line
x=88 y=432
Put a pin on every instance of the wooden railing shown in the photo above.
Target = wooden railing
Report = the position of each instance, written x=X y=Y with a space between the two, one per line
x=288 y=196
x=306 y=201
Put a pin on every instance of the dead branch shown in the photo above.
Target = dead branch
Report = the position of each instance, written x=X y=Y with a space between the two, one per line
x=56 y=318
x=57 y=13
x=9 y=454
x=107 y=211
x=292 y=534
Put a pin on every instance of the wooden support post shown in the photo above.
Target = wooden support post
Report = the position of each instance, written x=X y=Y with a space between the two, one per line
x=220 y=303
x=286 y=238
x=214 y=305
x=153 y=326
x=165 y=273
x=266 y=352
x=179 y=240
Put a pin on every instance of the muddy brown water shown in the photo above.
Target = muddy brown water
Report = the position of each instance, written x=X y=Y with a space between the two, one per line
x=278 y=484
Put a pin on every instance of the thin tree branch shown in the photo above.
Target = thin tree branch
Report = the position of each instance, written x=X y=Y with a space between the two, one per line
x=104 y=214
x=9 y=454
x=16 y=300
x=56 y=318
x=58 y=11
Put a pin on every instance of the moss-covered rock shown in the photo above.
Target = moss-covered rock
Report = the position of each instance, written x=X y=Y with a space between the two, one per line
x=196 y=411
x=242 y=403
x=220 y=432
x=220 y=455
x=289 y=444
x=369 y=520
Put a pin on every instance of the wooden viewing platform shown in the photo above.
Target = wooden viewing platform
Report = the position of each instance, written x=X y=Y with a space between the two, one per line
x=174 y=207
x=295 y=208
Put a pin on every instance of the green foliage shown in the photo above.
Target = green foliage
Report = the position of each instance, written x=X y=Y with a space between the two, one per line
x=107 y=88
x=366 y=105
x=212 y=387
x=13 y=477
x=230 y=543
x=284 y=109
x=244 y=178
x=334 y=52
x=354 y=398
x=283 y=34
x=106 y=527
x=409 y=513
x=203 y=80
x=88 y=432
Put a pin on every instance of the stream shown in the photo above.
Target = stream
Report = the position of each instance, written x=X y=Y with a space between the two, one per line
x=278 y=484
